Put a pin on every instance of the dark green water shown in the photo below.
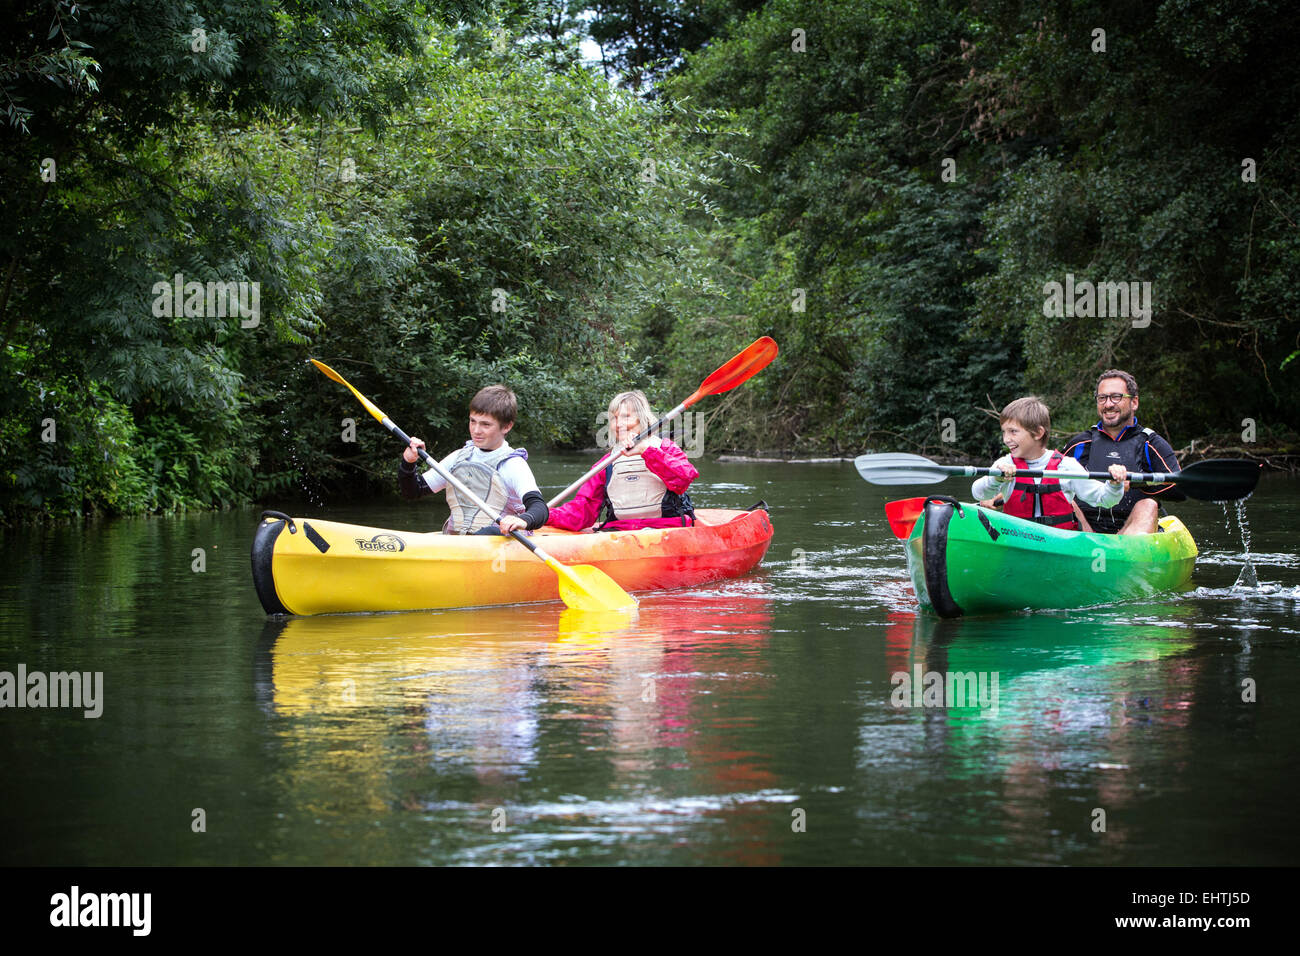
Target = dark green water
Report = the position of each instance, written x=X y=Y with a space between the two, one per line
x=746 y=723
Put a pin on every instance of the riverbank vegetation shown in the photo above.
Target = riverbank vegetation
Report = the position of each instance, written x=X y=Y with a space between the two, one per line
x=434 y=195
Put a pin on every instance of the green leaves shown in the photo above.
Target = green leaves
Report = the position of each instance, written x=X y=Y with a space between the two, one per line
x=923 y=295
x=496 y=225
x=1144 y=181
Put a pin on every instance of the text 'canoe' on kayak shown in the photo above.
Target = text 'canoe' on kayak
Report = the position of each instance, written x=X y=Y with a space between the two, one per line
x=313 y=566
x=964 y=559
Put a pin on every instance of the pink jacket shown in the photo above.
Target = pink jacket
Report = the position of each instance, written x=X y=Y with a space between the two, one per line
x=667 y=461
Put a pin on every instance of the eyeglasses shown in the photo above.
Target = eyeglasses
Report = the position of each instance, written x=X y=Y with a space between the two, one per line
x=1114 y=398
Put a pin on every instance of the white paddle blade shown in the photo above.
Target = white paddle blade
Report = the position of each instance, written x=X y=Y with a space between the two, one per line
x=899 y=469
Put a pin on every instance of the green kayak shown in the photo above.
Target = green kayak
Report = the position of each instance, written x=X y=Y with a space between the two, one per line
x=965 y=559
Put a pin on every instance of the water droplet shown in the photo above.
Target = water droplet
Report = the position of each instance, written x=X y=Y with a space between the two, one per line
x=1248 y=577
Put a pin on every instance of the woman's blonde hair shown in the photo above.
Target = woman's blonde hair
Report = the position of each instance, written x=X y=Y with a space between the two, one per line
x=639 y=404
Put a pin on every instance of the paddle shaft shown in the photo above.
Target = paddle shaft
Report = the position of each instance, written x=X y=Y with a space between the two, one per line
x=614 y=452
x=1216 y=479
x=1137 y=478
x=582 y=586
x=460 y=487
x=742 y=366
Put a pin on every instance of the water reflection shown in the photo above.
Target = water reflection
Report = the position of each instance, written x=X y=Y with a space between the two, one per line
x=770 y=694
x=514 y=710
x=1082 y=705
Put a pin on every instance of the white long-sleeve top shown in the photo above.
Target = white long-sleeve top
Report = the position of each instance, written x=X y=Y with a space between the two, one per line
x=1099 y=494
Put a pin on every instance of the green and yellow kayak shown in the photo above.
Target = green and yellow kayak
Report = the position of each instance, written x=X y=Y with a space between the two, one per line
x=965 y=560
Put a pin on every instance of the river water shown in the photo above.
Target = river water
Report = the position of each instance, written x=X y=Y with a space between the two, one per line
x=750 y=722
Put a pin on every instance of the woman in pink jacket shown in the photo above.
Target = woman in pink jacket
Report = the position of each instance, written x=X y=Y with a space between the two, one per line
x=643 y=487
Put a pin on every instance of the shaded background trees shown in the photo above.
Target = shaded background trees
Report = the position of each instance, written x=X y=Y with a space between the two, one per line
x=434 y=195
x=387 y=176
x=925 y=296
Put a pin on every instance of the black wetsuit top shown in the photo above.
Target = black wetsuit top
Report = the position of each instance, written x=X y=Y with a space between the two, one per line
x=1139 y=450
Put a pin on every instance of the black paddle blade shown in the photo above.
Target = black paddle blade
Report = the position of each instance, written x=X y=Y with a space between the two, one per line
x=899 y=469
x=1219 y=479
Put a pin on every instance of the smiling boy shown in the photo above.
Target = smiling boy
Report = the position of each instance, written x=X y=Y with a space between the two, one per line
x=488 y=466
x=1025 y=426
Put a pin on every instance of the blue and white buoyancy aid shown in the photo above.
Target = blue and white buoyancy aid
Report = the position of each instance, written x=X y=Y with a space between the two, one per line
x=481 y=476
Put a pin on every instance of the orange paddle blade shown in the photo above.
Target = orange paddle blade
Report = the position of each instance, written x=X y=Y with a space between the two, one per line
x=902 y=515
x=742 y=366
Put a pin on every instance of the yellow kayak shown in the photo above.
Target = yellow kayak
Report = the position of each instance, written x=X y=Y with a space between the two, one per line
x=313 y=566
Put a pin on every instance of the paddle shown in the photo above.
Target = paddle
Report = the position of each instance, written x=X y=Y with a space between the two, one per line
x=582 y=586
x=1218 y=479
x=743 y=366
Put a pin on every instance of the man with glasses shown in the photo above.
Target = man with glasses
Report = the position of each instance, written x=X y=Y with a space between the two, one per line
x=1118 y=439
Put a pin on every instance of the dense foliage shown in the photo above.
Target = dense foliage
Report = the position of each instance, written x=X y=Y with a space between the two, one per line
x=927 y=168
x=428 y=208
x=434 y=195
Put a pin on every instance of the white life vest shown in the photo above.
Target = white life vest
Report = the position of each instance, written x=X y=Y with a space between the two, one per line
x=633 y=490
x=483 y=478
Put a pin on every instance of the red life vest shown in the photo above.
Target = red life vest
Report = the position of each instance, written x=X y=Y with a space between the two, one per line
x=1056 y=507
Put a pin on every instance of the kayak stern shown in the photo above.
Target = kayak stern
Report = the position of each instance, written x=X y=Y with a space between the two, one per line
x=968 y=560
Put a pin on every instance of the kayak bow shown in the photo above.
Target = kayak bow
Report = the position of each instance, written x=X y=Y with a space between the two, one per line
x=965 y=560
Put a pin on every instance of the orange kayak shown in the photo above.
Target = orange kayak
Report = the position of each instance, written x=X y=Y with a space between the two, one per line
x=312 y=566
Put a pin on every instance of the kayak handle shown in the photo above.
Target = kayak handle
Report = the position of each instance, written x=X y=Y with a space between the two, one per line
x=945 y=499
x=293 y=529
